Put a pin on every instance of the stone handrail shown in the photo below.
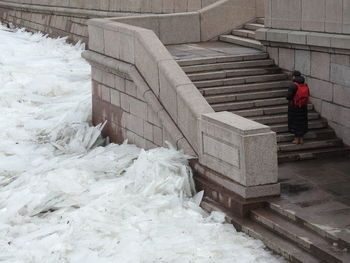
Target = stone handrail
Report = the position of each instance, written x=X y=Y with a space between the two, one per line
x=242 y=150
x=142 y=48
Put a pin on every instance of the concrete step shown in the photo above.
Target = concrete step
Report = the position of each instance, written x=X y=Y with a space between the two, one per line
x=302 y=217
x=279 y=245
x=233 y=73
x=244 y=33
x=301 y=236
x=239 y=80
x=309 y=144
x=245 y=88
x=242 y=41
x=309 y=154
x=317 y=124
x=246 y=96
x=232 y=106
x=221 y=59
x=253 y=26
x=280 y=118
x=228 y=65
x=318 y=134
x=266 y=111
x=260 y=20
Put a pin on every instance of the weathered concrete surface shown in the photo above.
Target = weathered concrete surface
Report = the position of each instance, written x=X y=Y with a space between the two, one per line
x=309 y=222
x=318 y=192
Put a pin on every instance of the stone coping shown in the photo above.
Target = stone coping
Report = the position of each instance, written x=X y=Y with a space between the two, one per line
x=324 y=40
x=236 y=123
x=56 y=10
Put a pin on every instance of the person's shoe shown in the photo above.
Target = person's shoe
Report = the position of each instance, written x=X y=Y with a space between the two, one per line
x=301 y=140
x=296 y=141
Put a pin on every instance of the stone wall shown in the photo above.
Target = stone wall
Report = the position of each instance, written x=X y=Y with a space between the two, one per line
x=133 y=6
x=330 y=16
x=73 y=27
x=68 y=17
x=132 y=111
x=323 y=56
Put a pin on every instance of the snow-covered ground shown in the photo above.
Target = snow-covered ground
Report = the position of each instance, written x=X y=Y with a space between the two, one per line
x=62 y=199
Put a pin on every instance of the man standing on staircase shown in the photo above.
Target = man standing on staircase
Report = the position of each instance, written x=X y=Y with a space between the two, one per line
x=298 y=95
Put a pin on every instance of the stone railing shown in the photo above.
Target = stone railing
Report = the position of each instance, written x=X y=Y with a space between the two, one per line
x=239 y=149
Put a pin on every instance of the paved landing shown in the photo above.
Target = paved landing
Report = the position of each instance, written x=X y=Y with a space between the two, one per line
x=318 y=192
x=208 y=49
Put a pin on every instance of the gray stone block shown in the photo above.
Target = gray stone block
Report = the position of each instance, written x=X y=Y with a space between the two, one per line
x=333 y=19
x=320 y=65
x=119 y=83
x=96 y=39
x=124 y=102
x=135 y=124
x=286 y=58
x=277 y=35
x=319 y=39
x=127 y=48
x=303 y=61
x=157 y=135
x=346 y=16
x=340 y=41
x=138 y=108
x=261 y=34
x=321 y=89
x=286 y=14
x=273 y=52
x=191 y=105
x=340 y=74
x=313 y=18
x=236 y=143
x=112 y=43
x=115 y=97
x=297 y=37
x=148 y=131
x=105 y=92
x=179 y=28
x=341 y=95
x=340 y=59
x=130 y=88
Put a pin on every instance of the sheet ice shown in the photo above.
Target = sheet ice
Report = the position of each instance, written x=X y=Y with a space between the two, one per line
x=65 y=198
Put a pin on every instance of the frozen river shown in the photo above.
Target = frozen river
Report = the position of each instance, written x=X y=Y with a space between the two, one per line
x=64 y=198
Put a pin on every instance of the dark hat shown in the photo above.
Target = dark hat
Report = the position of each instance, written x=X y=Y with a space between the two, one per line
x=296 y=73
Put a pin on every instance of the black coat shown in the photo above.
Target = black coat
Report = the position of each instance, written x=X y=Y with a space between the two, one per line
x=297 y=117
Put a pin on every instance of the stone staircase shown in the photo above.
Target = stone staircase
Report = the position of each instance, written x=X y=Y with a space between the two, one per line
x=245 y=36
x=287 y=235
x=252 y=86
